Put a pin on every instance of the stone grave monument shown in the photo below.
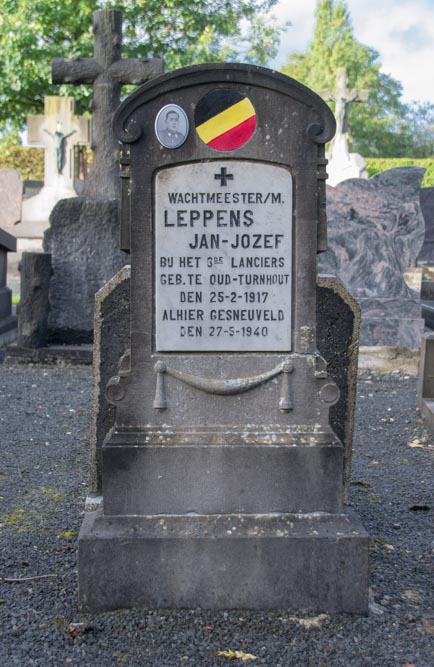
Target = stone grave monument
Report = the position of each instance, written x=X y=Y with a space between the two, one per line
x=58 y=129
x=223 y=482
x=376 y=230
x=343 y=164
x=8 y=321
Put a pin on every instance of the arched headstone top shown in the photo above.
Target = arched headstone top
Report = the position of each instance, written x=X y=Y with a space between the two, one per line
x=320 y=125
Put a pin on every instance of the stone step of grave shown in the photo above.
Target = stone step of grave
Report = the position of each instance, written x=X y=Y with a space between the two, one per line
x=247 y=475
x=52 y=354
x=315 y=561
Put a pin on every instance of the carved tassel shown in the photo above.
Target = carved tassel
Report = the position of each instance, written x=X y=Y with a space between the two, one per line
x=285 y=403
x=160 y=402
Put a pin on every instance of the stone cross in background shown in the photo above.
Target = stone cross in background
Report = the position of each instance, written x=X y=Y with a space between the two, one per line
x=58 y=130
x=342 y=163
x=107 y=71
x=343 y=97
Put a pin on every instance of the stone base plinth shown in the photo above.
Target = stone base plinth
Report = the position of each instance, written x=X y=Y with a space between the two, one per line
x=311 y=561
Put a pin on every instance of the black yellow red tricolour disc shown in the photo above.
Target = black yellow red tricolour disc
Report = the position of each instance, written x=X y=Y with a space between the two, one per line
x=225 y=119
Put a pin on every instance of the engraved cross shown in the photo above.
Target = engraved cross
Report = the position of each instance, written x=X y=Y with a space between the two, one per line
x=223 y=176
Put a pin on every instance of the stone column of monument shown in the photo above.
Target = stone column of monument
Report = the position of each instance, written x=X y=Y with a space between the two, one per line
x=57 y=130
x=343 y=164
x=222 y=478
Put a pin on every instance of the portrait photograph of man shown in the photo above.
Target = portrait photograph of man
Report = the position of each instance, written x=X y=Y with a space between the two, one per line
x=171 y=126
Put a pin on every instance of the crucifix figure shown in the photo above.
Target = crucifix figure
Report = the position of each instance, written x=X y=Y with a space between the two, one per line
x=60 y=145
x=107 y=71
x=343 y=97
x=52 y=130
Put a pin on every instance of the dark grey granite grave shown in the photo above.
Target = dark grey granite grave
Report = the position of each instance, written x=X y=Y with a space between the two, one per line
x=8 y=322
x=223 y=481
x=427 y=297
x=375 y=233
x=425 y=387
x=426 y=253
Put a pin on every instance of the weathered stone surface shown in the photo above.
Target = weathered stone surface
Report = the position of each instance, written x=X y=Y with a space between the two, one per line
x=83 y=240
x=111 y=339
x=426 y=254
x=338 y=334
x=11 y=195
x=310 y=562
x=376 y=230
x=33 y=309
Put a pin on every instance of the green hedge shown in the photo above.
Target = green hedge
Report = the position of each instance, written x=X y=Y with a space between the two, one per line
x=375 y=165
x=27 y=160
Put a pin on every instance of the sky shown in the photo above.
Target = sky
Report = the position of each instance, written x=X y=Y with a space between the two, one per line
x=402 y=31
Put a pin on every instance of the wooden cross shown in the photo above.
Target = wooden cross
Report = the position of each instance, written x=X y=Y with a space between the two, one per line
x=107 y=71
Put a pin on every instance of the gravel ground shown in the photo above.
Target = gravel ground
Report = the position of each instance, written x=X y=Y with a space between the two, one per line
x=43 y=473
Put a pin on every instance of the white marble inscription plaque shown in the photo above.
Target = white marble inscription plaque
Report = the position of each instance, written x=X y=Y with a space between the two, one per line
x=223 y=241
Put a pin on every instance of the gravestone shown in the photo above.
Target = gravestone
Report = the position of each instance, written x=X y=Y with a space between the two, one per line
x=222 y=478
x=8 y=322
x=375 y=233
x=58 y=129
x=343 y=164
x=11 y=195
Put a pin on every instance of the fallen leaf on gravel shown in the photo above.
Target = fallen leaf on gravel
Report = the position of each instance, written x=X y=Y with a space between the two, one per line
x=388 y=547
x=310 y=623
x=360 y=483
x=419 y=507
x=78 y=629
x=416 y=444
x=236 y=655
x=75 y=629
x=410 y=664
x=411 y=596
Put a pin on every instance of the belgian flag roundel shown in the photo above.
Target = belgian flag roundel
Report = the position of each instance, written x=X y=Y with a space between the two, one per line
x=225 y=119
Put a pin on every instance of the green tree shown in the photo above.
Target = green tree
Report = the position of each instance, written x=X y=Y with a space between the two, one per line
x=32 y=32
x=377 y=127
x=420 y=121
